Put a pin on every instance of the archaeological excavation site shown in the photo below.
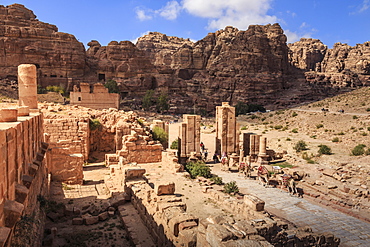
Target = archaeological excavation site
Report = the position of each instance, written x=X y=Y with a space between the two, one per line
x=238 y=139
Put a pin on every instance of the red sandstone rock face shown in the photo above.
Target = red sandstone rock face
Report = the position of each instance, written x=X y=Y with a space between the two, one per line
x=24 y=39
x=342 y=66
x=306 y=53
x=254 y=66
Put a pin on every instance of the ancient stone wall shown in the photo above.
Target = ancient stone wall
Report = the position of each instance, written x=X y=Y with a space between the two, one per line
x=170 y=224
x=70 y=146
x=98 y=98
x=23 y=174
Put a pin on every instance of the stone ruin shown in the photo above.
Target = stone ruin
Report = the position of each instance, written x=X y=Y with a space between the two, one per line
x=96 y=97
x=27 y=160
x=23 y=158
x=189 y=138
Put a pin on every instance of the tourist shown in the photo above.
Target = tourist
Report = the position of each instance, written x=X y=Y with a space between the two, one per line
x=202 y=147
x=215 y=158
x=205 y=155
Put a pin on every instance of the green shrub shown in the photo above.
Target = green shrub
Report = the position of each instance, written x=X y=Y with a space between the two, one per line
x=294 y=114
x=335 y=139
x=300 y=146
x=94 y=124
x=323 y=149
x=277 y=127
x=175 y=144
x=355 y=117
x=310 y=161
x=160 y=135
x=295 y=130
x=358 y=150
x=340 y=133
x=367 y=109
x=216 y=179
x=363 y=133
x=244 y=128
x=368 y=128
x=288 y=139
x=162 y=102
x=148 y=99
x=198 y=168
x=112 y=86
x=367 y=151
x=231 y=187
x=319 y=126
x=55 y=89
x=141 y=122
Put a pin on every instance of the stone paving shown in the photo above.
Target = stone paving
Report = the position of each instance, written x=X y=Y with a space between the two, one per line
x=299 y=211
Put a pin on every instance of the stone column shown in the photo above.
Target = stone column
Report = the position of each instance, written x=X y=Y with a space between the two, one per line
x=226 y=129
x=263 y=144
x=27 y=85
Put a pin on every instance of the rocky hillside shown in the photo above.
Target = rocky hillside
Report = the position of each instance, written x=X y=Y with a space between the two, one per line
x=24 y=39
x=253 y=66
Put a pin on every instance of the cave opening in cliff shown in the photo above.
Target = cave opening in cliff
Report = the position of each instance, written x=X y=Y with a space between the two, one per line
x=101 y=77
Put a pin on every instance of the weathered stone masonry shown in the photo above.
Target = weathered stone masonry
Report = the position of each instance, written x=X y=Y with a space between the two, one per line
x=23 y=172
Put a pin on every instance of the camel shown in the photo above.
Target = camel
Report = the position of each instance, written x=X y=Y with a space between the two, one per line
x=245 y=168
x=263 y=175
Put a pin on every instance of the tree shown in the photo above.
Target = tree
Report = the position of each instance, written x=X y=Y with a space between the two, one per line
x=112 y=86
x=162 y=102
x=160 y=135
x=148 y=100
x=300 y=146
x=323 y=149
x=175 y=144
x=358 y=150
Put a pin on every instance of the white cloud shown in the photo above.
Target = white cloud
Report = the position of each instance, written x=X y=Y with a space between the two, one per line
x=141 y=35
x=365 y=5
x=170 y=11
x=238 y=13
x=303 y=25
x=142 y=16
x=291 y=36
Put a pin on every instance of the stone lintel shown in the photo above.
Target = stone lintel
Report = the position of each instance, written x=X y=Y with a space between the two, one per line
x=32 y=169
x=27 y=180
x=39 y=157
x=12 y=211
x=21 y=193
x=37 y=163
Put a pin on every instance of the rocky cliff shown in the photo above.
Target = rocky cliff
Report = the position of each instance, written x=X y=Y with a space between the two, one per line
x=24 y=39
x=253 y=66
x=341 y=66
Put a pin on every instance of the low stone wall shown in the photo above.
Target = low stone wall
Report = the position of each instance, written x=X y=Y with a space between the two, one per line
x=170 y=224
x=23 y=178
x=140 y=149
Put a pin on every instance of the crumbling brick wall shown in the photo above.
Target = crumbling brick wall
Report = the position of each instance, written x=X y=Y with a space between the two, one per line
x=70 y=145
x=23 y=173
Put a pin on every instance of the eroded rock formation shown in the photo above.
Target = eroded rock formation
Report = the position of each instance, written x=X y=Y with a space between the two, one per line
x=25 y=39
x=253 y=66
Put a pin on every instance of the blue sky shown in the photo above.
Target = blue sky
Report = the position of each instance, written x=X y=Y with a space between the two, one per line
x=331 y=21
